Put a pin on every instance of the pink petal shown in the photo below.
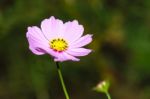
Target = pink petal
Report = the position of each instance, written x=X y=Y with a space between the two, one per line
x=78 y=51
x=53 y=53
x=65 y=57
x=37 y=42
x=36 y=50
x=52 y=28
x=71 y=57
x=82 y=41
x=73 y=31
x=60 y=58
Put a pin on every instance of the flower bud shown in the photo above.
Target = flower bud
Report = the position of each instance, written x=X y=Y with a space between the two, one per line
x=102 y=86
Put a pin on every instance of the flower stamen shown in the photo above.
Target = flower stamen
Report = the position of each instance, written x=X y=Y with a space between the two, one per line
x=58 y=44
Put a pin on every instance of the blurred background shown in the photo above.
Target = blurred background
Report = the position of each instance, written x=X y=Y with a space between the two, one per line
x=121 y=50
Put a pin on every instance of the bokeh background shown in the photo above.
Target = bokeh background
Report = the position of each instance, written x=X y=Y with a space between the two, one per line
x=121 y=50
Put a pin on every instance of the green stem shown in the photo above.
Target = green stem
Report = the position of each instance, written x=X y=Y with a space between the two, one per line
x=108 y=95
x=62 y=81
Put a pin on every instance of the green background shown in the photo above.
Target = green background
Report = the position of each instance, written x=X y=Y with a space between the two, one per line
x=121 y=50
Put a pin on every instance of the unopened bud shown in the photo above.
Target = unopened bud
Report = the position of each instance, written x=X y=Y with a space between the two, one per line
x=102 y=86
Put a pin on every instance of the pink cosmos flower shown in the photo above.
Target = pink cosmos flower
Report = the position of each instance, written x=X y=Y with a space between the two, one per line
x=63 y=41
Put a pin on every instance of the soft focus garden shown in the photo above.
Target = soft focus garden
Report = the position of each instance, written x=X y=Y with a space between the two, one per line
x=115 y=40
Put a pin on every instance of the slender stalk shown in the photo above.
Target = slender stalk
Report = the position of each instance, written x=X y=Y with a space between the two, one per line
x=108 y=95
x=62 y=81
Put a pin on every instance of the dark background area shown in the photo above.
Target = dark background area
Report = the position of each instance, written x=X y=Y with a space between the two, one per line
x=121 y=50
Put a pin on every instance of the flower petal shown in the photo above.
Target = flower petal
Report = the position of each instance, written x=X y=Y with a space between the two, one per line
x=73 y=31
x=52 y=52
x=60 y=58
x=78 y=51
x=71 y=57
x=82 y=41
x=37 y=41
x=65 y=57
x=52 y=28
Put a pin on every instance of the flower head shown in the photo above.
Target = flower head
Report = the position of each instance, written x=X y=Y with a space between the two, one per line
x=63 y=41
x=102 y=86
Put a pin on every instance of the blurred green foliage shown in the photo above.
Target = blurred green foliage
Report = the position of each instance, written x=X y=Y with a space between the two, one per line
x=121 y=49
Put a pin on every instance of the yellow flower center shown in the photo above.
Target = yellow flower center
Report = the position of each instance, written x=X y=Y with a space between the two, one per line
x=58 y=45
